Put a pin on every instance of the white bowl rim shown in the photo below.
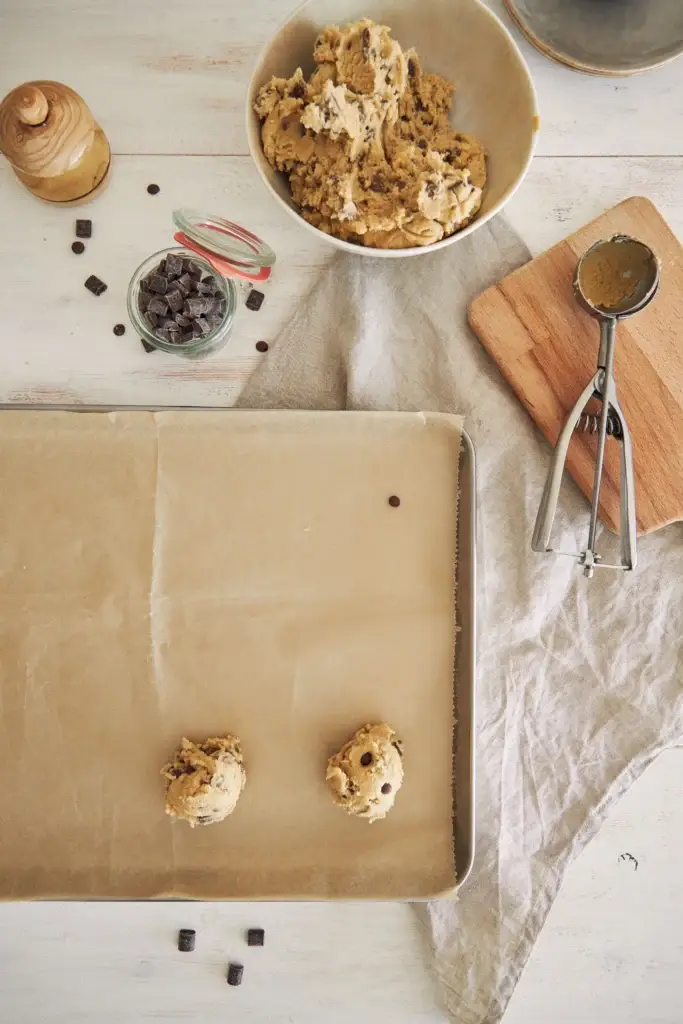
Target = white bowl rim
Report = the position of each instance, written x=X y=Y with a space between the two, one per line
x=415 y=250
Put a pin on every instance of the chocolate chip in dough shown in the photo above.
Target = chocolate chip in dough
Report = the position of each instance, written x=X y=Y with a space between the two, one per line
x=83 y=229
x=77 y=247
x=255 y=936
x=94 y=285
x=366 y=759
x=235 y=972
x=186 y=936
x=386 y=788
x=255 y=299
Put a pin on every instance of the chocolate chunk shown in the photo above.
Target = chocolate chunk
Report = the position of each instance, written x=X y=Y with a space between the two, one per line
x=221 y=306
x=83 y=229
x=77 y=247
x=152 y=319
x=169 y=324
x=261 y=346
x=193 y=307
x=175 y=300
x=206 y=287
x=161 y=269
x=377 y=184
x=366 y=759
x=192 y=269
x=185 y=284
x=144 y=299
x=188 y=333
x=174 y=264
x=182 y=320
x=204 y=325
x=394 y=501
x=94 y=285
x=146 y=345
x=158 y=283
x=214 y=320
x=255 y=299
x=235 y=972
x=386 y=788
x=255 y=936
x=196 y=330
x=163 y=334
x=153 y=189
x=186 y=937
x=157 y=304
x=119 y=329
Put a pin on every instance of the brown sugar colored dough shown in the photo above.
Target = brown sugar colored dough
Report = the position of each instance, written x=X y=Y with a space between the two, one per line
x=367 y=143
x=366 y=774
x=205 y=780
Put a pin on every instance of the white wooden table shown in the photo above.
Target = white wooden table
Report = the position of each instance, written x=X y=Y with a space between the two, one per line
x=167 y=84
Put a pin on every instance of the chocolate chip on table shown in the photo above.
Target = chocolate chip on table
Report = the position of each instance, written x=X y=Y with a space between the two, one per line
x=255 y=299
x=261 y=346
x=77 y=247
x=186 y=936
x=94 y=285
x=153 y=189
x=83 y=229
x=235 y=972
x=119 y=329
x=366 y=759
x=394 y=501
x=179 y=304
x=255 y=936
x=146 y=345
x=386 y=788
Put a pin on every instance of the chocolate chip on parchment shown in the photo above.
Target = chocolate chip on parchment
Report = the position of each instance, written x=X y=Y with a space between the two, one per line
x=153 y=189
x=94 y=285
x=77 y=247
x=235 y=972
x=255 y=299
x=186 y=936
x=366 y=759
x=255 y=936
x=394 y=501
x=119 y=329
x=261 y=346
x=83 y=229
x=386 y=788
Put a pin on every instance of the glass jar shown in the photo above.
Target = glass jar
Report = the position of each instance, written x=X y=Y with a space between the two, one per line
x=221 y=248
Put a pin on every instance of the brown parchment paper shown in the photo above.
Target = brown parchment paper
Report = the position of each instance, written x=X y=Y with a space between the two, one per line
x=192 y=573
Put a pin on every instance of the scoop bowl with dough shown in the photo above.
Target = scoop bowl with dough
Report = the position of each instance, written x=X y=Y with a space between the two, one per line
x=461 y=40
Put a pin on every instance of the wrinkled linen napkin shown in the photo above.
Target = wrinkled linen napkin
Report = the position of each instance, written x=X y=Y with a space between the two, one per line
x=580 y=682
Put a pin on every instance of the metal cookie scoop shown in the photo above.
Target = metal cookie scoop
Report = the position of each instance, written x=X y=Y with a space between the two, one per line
x=615 y=278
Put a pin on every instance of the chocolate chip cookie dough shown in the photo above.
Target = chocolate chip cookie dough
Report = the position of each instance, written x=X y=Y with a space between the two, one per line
x=366 y=774
x=367 y=143
x=205 y=780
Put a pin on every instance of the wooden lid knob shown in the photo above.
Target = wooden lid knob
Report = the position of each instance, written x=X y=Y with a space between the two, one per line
x=31 y=105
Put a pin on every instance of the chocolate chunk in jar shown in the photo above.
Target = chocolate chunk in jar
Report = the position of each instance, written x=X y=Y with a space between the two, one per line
x=158 y=283
x=158 y=305
x=185 y=284
x=174 y=265
x=175 y=300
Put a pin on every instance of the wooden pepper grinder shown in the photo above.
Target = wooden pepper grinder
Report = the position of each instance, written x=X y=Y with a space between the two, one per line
x=55 y=146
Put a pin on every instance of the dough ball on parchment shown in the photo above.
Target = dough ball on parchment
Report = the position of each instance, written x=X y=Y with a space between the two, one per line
x=366 y=774
x=205 y=780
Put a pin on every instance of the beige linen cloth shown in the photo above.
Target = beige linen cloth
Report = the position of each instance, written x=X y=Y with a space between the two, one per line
x=580 y=682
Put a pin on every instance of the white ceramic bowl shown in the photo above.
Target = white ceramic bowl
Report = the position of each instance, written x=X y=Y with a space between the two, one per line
x=460 y=39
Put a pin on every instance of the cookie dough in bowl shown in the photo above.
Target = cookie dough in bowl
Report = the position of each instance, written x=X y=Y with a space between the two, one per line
x=205 y=780
x=355 y=127
x=367 y=144
x=366 y=774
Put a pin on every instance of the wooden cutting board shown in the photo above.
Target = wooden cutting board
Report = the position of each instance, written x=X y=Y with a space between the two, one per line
x=546 y=347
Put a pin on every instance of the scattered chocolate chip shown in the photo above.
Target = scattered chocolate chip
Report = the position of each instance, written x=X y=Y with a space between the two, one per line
x=77 y=247
x=255 y=299
x=261 y=346
x=158 y=283
x=94 y=285
x=386 y=788
x=83 y=229
x=235 y=972
x=366 y=759
x=394 y=501
x=146 y=345
x=119 y=329
x=153 y=190
x=255 y=936
x=186 y=936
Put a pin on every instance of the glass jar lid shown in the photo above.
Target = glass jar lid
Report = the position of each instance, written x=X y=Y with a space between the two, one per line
x=230 y=248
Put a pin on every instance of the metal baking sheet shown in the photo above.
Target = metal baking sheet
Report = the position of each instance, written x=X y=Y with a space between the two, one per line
x=463 y=675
